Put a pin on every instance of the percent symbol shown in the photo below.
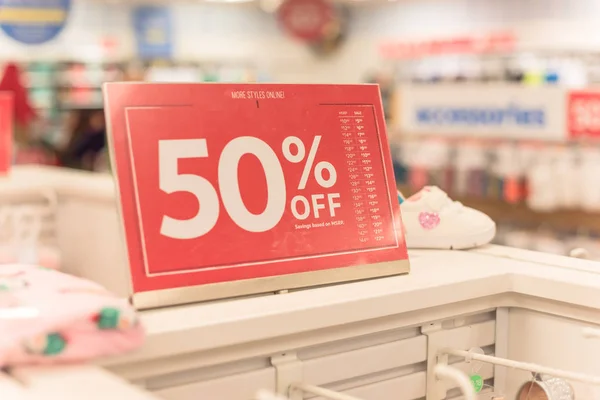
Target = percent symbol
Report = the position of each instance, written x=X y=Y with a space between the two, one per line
x=300 y=155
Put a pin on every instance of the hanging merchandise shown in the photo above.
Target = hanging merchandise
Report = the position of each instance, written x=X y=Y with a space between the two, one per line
x=509 y=175
x=474 y=376
x=153 y=32
x=307 y=20
x=6 y=132
x=33 y=22
x=565 y=173
x=544 y=387
x=542 y=193
x=470 y=178
x=586 y=177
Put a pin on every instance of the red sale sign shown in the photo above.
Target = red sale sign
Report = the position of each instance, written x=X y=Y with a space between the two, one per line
x=252 y=188
x=583 y=114
x=6 y=131
x=306 y=19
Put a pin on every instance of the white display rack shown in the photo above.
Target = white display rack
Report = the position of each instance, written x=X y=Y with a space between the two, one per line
x=400 y=338
x=531 y=367
x=38 y=208
x=67 y=383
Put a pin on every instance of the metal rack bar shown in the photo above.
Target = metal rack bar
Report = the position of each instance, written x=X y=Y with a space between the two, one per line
x=445 y=371
x=319 y=391
x=572 y=376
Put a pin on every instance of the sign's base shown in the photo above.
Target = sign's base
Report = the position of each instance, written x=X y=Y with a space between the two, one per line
x=224 y=290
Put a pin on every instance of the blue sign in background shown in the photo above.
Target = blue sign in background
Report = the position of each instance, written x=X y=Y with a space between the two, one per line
x=33 y=21
x=154 y=32
x=513 y=114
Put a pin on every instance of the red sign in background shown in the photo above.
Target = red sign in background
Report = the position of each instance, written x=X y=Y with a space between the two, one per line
x=6 y=132
x=502 y=42
x=306 y=19
x=583 y=114
x=226 y=182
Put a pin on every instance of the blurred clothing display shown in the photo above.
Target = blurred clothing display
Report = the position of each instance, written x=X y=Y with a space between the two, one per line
x=24 y=113
x=87 y=140
x=540 y=194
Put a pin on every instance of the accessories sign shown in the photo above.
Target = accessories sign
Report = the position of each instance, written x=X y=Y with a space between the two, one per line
x=492 y=111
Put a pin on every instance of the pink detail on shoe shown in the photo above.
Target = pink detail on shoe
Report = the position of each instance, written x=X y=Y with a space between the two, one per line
x=429 y=220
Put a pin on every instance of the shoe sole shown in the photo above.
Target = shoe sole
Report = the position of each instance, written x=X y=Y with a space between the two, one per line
x=451 y=242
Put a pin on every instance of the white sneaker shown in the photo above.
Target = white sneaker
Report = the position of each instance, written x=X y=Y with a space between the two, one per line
x=434 y=221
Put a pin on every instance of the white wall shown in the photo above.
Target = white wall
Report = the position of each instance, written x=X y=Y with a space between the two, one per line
x=537 y=23
x=245 y=33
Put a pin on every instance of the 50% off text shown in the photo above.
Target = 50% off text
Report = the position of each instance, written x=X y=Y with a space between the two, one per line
x=293 y=150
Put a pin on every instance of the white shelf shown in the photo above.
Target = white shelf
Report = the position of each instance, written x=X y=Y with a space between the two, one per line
x=370 y=340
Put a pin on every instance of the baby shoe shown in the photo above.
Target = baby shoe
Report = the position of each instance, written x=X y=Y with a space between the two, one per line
x=434 y=221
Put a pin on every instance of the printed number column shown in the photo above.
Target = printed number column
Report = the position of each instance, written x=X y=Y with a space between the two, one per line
x=351 y=123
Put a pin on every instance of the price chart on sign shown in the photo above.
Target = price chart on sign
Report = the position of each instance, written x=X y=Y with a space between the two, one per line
x=233 y=182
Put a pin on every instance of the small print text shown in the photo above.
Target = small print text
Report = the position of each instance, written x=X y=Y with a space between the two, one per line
x=258 y=94
x=318 y=225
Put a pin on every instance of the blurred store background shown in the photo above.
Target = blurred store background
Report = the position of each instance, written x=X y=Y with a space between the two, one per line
x=492 y=100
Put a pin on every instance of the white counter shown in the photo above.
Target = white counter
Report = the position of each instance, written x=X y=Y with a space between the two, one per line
x=442 y=286
x=374 y=339
x=437 y=278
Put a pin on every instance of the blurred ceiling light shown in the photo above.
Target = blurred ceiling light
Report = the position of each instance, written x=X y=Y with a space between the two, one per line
x=270 y=6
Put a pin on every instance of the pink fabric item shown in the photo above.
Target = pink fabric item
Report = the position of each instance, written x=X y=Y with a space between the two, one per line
x=48 y=317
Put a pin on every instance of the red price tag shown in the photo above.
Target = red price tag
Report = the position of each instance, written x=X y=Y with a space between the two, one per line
x=227 y=183
x=6 y=131
x=584 y=114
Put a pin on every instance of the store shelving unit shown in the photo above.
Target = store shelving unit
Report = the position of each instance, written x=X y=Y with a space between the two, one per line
x=62 y=87
x=68 y=85
x=534 y=179
x=41 y=83
x=79 y=85
x=529 y=68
